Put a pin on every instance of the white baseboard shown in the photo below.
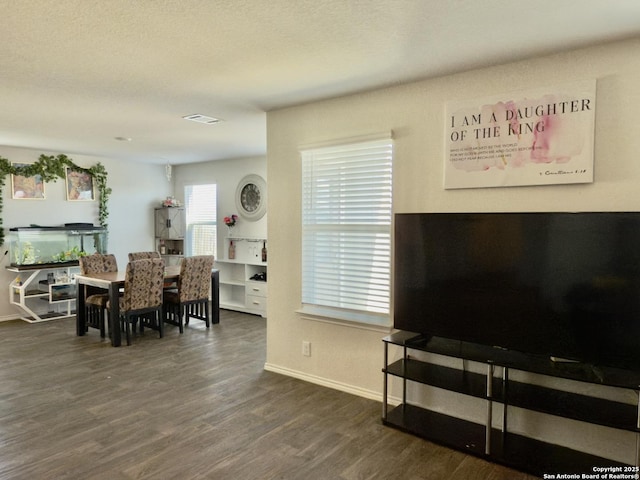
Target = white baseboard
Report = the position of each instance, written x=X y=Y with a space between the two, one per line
x=325 y=382
x=8 y=318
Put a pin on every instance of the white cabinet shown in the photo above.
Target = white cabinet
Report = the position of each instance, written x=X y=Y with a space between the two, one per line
x=256 y=296
x=243 y=279
x=237 y=289
x=44 y=293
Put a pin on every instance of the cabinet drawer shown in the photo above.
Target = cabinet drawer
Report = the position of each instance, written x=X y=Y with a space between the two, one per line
x=258 y=289
x=257 y=303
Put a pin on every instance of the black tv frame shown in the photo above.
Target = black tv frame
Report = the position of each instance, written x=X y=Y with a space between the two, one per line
x=560 y=285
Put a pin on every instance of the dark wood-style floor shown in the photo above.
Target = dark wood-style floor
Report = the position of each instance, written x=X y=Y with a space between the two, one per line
x=192 y=406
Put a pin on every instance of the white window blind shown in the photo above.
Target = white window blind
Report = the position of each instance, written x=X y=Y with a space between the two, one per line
x=346 y=229
x=200 y=202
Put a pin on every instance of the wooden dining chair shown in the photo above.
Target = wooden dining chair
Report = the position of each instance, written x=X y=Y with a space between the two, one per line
x=96 y=301
x=191 y=299
x=143 y=255
x=142 y=298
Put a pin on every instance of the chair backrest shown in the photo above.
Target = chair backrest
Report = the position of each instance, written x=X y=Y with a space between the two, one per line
x=143 y=255
x=195 y=278
x=143 y=284
x=98 y=263
x=90 y=264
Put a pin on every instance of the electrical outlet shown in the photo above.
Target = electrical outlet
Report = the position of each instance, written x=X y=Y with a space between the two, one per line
x=306 y=349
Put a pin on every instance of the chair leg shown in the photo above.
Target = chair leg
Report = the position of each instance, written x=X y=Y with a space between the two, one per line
x=172 y=313
x=126 y=323
x=103 y=332
x=153 y=319
x=89 y=315
x=165 y=313
x=182 y=312
x=198 y=310
x=95 y=318
x=159 y=322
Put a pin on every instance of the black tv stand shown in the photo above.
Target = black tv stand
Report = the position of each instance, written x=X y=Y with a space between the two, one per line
x=419 y=340
x=498 y=444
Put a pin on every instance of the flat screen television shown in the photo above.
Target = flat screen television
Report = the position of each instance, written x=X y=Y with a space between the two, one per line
x=563 y=285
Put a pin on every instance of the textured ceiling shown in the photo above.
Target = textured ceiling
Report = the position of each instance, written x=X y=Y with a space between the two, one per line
x=76 y=74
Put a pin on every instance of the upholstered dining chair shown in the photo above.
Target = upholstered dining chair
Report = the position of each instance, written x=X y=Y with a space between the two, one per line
x=142 y=298
x=191 y=299
x=143 y=255
x=96 y=303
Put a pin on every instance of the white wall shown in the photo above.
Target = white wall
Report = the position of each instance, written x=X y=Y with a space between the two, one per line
x=226 y=174
x=350 y=358
x=137 y=189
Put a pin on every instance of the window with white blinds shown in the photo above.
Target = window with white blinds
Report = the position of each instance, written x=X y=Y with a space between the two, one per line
x=200 y=203
x=346 y=230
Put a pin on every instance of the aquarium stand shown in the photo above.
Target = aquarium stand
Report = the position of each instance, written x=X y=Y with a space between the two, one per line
x=44 y=292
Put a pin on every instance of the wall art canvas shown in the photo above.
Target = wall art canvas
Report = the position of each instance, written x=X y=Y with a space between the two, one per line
x=541 y=136
x=79 y=185
x=27 y=188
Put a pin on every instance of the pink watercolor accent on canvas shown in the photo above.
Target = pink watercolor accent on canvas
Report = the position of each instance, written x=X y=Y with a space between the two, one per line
x=528 y=134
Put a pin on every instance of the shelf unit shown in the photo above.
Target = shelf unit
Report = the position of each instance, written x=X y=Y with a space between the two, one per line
x=170 y=225
x=40 y=300
x=243 y=279
x=240 y=289
x=237 y=290
x=498 y=444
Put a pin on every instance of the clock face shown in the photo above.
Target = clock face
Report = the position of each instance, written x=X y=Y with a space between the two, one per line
x=250 y=197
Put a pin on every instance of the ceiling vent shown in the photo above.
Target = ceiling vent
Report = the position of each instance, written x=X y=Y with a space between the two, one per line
x=196 y=117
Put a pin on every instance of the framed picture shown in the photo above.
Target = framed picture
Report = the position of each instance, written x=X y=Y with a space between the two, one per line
x=540 y=136
x=26 y=188
x=79 y=185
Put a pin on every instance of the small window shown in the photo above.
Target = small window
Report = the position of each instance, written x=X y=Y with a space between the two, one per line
x=201 y=235
x=346 y=231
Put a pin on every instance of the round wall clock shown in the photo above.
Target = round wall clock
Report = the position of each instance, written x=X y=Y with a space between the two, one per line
x=251 y=197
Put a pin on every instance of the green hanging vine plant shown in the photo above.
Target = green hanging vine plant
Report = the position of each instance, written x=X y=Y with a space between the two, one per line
x=51 y=168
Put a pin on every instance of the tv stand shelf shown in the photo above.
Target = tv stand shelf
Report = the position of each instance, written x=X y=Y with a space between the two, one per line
x=498 y=444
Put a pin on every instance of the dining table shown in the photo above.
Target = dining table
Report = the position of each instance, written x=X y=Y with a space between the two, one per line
x=112 y=282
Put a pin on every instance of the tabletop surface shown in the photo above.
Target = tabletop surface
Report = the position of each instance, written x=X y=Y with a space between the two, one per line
x=172 y=271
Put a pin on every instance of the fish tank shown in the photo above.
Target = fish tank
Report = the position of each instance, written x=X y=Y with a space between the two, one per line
x=42 y=246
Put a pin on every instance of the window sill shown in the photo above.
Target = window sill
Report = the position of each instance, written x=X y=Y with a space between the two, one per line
x=366 y=321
